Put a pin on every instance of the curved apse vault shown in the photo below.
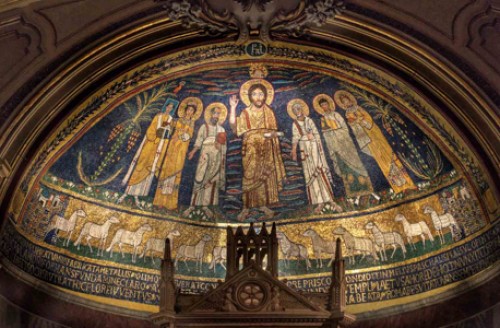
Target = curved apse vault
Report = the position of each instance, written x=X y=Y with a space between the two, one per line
x=341 y=149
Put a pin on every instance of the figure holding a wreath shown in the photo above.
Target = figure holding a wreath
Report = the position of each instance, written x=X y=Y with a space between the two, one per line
x=372 y=142
x=317 y=175
x=263 y=169
x=341 y=148
x=210 y=176
x=167 y=193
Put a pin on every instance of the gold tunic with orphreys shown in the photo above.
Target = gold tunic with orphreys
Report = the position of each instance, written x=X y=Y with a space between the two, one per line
x=145 y=163
x=373 y=142
x=263 y=169
x=167 y=194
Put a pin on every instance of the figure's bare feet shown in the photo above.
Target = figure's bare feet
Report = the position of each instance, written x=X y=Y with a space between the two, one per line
x=336 y=207
x=243 y=215
x=208 y=212
x=187 y=212
x=319 y=208
x=269 y=214
x=137 y=202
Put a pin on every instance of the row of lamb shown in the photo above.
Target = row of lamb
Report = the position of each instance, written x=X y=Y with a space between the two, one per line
x=375 y=245
x=100 y=232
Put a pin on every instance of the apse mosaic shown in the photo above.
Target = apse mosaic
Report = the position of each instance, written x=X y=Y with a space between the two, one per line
x=183 y=146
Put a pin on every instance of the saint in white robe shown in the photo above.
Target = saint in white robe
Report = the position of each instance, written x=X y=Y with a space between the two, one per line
x=316 y=172
x=210 y=173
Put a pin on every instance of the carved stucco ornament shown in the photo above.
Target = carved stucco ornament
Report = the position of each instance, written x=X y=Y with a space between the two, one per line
x=256 y=18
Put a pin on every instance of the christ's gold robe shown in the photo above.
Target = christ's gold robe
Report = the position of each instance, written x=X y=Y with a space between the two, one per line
x=263 y=169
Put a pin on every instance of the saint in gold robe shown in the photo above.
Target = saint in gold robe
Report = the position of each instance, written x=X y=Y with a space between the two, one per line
x=167 y=194
x=145 y=164
x=372 y=142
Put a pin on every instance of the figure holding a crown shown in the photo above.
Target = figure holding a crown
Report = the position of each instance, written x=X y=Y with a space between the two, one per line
x=317 y=175
x=263 y=169
x=342 y=150
x=169 y=179
x=372 y=142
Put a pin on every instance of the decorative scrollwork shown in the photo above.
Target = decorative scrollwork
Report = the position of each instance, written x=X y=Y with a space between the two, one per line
x=200 y=14
x=253 y=17
x=308 y=13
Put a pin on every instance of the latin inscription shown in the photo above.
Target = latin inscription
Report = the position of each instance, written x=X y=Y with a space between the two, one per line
x=124 y=284
x=434 y=272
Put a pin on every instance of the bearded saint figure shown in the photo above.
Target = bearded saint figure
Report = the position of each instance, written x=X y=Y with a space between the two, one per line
x=210 y=176
x=263 y=169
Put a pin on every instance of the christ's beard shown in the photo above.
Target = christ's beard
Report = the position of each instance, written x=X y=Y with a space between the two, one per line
x=213 y=121
x=258 y=103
